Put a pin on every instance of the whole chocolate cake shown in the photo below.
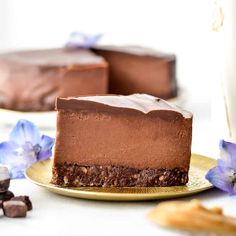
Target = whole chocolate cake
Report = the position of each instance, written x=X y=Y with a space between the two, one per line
x=140 y=70
x=31 y=80
x=135 y=140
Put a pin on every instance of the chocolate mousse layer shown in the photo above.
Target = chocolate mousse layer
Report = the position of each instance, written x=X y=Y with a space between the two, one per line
x=140 y=70
x=31 y=80
x=136 y=140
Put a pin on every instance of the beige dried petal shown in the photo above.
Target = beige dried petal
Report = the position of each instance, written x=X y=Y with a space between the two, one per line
x=192 y=216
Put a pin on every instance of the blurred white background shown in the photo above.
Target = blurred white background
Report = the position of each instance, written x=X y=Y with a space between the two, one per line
x=183 y=27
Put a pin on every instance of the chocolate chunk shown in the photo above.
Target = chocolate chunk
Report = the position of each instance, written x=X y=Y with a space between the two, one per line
x=4 y=179
x=24 y=199
x=4 y=185
x=14 y=209
x=6 y=196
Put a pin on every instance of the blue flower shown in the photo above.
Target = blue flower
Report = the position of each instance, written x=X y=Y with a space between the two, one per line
x=25 y=146
x=81 y=40
x=223 y=176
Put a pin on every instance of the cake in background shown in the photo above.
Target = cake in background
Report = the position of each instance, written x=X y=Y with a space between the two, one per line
x=31 y=80
x=118 y=141
x=135 y=69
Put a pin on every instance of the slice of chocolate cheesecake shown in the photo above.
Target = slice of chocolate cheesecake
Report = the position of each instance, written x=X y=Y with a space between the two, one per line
x=140 y=70
x=135 y=140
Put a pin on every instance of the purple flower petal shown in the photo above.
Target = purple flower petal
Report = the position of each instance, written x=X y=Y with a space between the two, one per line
x=220 y=180
x=25 y=131
x=91 y=41
x=228 y=153
x=81 y=40
x=7 y=147
x=46 y=147
x=7 y=150
x=24 y=148
x=17 y=173
x=223 y=176
x=9 y=156
x=228 y=147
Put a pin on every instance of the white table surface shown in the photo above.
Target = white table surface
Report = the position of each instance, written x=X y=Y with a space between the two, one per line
x=53 y=214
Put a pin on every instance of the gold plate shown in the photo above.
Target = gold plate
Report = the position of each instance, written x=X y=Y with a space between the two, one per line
x=40 y=174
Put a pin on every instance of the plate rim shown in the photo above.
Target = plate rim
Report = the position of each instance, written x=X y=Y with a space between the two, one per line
x=114 y=196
